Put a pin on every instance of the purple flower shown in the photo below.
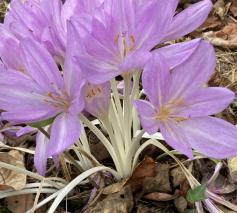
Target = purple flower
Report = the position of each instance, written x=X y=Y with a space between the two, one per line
x=40 y=93
x=180 y=106
x=97 y=99
x=122 y=33
x=46 y=21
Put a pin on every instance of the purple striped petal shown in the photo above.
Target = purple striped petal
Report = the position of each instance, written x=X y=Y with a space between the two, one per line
x=188 y=20
x=177 y=54
x=65 y=132
x=211 y=136
x=147 y=114
x=156 y=80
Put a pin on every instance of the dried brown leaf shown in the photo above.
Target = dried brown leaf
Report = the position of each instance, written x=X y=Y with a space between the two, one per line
x=221 y=8
x=159 y=196
x=159 y=183
x=146 y=168
x=226 y=38
x=233 y=8
x=114 y=188
x=10 y=179
x=20 y=203
x=121 y=202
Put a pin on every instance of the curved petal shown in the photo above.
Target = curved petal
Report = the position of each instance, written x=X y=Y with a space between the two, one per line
x=156 y=80
x=211 y=136
x=41 y=154
x=73 y=77
x=41 y=66
x=97 y=98
x=188 y=20
x=208 y=101
x=173 y=135
x=147 y=114
x=65 y=132
x=193 y=73
x=176 y=54
x=135 y=61
x=152 y=20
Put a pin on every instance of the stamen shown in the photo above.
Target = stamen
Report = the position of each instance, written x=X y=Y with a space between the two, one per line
x=93 y=91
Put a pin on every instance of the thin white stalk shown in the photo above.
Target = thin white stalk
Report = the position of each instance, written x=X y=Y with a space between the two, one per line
x=26 y=191
x=46 y=200
x=28 y=173
x=37 y=196
x=17 y=148
x=75 y=182
x=105 y=141
x=134 y=147
x=127 y=111
x=116 y=114
x=117 y=100
x=116 y=144
x=116 y=128
x=135 y=95
x=37 y=185
x=84 y=139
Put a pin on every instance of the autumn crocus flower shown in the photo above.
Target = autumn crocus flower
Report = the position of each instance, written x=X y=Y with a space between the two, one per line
x=123 y=32
x=181 y=107
x=46 y=21
x=40 y=93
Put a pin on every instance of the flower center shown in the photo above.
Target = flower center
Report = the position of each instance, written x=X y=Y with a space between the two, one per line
x=126 y=43
x=92 y=91
x=59 y=101
x=170 y=111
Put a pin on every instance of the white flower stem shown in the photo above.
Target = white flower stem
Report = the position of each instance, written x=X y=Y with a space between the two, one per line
x=135 y=95
x=127 y=111
x=105 y=141
x=75 y=182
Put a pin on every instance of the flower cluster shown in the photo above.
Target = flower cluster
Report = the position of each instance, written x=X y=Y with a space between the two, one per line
x=62 y=59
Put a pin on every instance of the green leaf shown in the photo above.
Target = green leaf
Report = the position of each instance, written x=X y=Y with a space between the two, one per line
x=191 y=211
x=196 y=194
x=42 y=123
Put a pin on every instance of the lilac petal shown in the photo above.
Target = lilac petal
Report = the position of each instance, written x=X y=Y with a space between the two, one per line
x=41 y=65
x=188 y=20
x=208 y=101
x=5 y=34
x=18 y=93
x=135 y=61
x=147 y=114
x=176 y=54
x=65 y=132
x=51 y=41
x=96 y=71
x=153 y=19
x=211 y=136
x=173 y=135
x=12 y=59
x=97 y=98
x=25 y=130
x=19 y=117
x=123 y=13
x=156 y=80
x=55 y=8
x=26 y=16
x=198 y=68
x=72 y=74
x=41 y=155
